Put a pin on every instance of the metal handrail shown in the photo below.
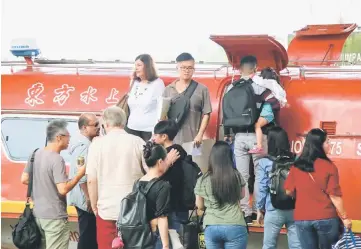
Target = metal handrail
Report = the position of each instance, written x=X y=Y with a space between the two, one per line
x=322 y=61
x=219 y=67
x=330 y=70
x=127 y=68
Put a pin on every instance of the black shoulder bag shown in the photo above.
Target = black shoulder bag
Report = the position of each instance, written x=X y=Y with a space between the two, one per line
x=179 y=108
x=26 y=234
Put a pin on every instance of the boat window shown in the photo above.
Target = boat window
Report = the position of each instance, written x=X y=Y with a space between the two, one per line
x=22 y=136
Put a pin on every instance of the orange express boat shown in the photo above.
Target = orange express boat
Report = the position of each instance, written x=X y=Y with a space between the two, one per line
x=321 y=93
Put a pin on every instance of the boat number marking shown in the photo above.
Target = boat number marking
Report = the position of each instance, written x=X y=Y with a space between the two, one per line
x=336 y=147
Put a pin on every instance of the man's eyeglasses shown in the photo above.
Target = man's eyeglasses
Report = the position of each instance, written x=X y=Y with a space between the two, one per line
x=187 y=68
x=64 y=135
x=95 y=125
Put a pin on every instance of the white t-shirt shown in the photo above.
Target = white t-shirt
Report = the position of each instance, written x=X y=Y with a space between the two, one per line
x=142 y=103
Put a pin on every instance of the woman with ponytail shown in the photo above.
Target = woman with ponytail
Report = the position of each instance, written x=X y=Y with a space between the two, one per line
x=158 y=197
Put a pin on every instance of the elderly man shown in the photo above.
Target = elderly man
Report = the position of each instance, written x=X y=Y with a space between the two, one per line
x=50 y=186
x=114 y=163
x=79 y=197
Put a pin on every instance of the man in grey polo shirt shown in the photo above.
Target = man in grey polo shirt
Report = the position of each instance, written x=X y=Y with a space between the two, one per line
x=191 y=132
x=79 y=197
x=50 y=186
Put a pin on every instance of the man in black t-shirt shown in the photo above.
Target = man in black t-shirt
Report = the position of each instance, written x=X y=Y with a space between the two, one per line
x=164 y=133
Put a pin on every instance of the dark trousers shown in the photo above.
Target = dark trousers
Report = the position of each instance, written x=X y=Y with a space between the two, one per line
x=87 y=230
x=145 y=135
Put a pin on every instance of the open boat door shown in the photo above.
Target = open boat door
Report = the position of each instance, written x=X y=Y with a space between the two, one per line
x=269 y=52
x=319 y=45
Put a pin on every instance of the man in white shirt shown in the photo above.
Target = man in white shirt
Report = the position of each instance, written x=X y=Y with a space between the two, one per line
x=115 y=162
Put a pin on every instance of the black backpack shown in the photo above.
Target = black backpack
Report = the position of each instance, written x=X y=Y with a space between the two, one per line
x=239 y=105
x=191 y=173
x=278 y=175
x=179 y=107
x=132 y=223
x=26 y=234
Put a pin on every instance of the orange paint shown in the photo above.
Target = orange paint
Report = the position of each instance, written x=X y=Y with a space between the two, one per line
x=317 y=92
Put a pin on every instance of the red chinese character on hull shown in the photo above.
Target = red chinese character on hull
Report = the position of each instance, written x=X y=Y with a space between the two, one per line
x=112 y=99
x=34 y=94
x=63 y=94
x=87 y=96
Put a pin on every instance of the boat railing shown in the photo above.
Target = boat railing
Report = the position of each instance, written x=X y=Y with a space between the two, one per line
x=117 y=65
x=323 y=62
x=338 y=66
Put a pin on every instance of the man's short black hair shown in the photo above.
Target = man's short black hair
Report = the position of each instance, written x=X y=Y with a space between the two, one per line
x=167 y=127
x=184 y=57
x=249 y=59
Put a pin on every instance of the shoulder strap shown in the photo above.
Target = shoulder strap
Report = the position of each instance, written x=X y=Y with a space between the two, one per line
x=191 y=88
x=150 y=185
x=131 y=86
x=126 y=95
x=313 y=179
x=31 y=167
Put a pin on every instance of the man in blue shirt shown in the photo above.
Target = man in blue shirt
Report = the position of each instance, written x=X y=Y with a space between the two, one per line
x=79 y=197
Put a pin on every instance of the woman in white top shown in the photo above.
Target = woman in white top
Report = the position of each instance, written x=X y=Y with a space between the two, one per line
x=142 y=101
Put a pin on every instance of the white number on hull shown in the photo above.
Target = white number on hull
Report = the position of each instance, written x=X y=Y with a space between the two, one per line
x=336 y=148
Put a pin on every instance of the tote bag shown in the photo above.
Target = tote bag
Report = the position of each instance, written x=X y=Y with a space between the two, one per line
x=348 y=241
x=191 y=233
x=123 y=101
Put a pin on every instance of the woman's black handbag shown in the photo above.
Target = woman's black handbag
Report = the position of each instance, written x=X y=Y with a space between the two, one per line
x=191 y=233
x=26 y=234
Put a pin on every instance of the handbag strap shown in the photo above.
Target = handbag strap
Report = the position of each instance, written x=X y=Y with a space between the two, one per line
x=31 y=173
x=127 y=93
x=199 y=221
x=131 y=86
x=313 y=179
x=351 y=235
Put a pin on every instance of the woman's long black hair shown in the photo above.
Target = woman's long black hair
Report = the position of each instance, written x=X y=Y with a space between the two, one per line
x=152 y=152
x=312 y=150
x=225 y=180
x=278 y=143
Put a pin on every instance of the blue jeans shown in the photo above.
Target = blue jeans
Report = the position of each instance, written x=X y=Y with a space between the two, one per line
x=318 y=234
x=175 y=219
x=226 y=237
x=273 y=222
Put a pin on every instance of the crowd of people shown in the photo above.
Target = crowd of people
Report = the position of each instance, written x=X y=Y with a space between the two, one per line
x=138 y=152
